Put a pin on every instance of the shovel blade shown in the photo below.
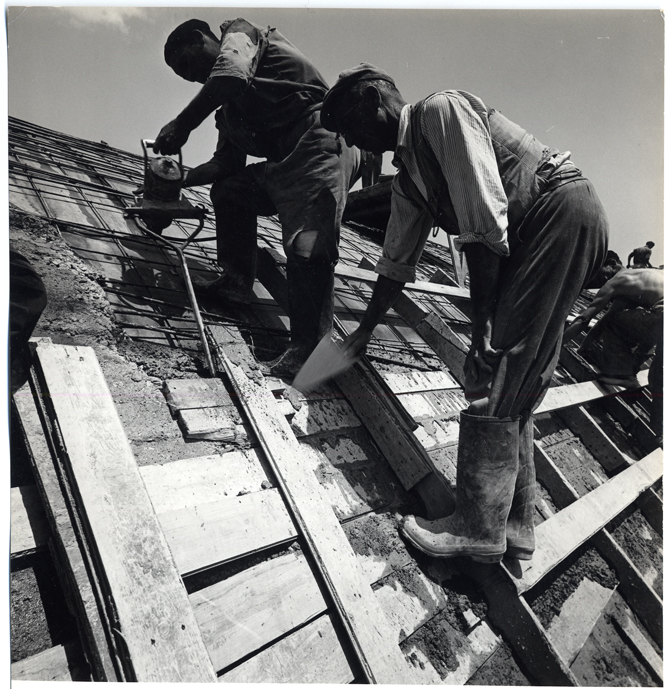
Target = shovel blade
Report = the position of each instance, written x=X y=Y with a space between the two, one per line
x=326 y=361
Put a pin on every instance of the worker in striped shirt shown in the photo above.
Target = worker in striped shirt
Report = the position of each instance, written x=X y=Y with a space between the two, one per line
x=533 y=231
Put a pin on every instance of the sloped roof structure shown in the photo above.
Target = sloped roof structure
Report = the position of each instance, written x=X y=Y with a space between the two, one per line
x=231 y=528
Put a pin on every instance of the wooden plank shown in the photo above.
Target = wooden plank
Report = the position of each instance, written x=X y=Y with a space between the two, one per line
x=624 y=623
x=433 y=330
x=579 y=393
x=29 y=525
x=214 y=532
x=368 y=396
x=513 y=617
x=419 y=381
x=311 y=655
x=196 y=393
x=211 y=423
x=559 y=536
x=249 y=610
x=63 y=663
x=370 y=277
x=155 y=617
x=615 y=406
x=361 y=615
x=595 y=439
x=640 y=595
x=642 y=434
x=611 y=458
x=70 y=555
x=570 y=629
x=187 y=483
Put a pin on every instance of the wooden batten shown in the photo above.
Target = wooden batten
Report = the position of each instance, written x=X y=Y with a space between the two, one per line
x=367 y=626
x=632 y=585
x=564 y=396
x=370 y=277
x=153 y=613
x=196 y=393
x=562 y=534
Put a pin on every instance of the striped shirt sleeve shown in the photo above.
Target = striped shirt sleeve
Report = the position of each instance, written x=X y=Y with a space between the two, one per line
x=463 y=148
x=407 y=232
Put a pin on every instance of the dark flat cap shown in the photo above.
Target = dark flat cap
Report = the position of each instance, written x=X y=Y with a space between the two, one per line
x=330 y=105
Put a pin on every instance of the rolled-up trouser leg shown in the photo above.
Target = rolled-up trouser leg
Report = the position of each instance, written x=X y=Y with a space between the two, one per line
x=487 y=464
x=519 y=529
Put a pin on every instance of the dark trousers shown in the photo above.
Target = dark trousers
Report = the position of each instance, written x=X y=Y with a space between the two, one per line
x=628 y=337
x=308 y=190
x=559 y=246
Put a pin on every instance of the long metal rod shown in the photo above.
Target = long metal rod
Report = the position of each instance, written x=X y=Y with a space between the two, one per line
x=189 y=286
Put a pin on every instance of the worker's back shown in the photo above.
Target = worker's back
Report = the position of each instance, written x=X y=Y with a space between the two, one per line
x=642 y=286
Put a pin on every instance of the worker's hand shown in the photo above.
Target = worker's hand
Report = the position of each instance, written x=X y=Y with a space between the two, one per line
x=355 y=344
x=171 y=139
x=572 y=330
x=482 y=356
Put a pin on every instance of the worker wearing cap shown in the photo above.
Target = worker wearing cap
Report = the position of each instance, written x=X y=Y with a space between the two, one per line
x=267 y=96
x=533 y=232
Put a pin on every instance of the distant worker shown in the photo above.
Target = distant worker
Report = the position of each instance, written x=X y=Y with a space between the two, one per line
x=268 y=97
x=639 y=258
x=630 y=329
x=533 y=232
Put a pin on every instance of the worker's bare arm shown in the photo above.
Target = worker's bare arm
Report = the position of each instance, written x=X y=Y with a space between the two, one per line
x=602 y=299
x=484 y=267
x=215 y=92
x=385 y=293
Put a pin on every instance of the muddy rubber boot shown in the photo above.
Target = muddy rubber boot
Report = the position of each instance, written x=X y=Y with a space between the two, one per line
x=236 y=243
x=311 y=306
x=487 y=462
x=519 y=528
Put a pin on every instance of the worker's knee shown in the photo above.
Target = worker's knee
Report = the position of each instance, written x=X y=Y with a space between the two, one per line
x=303 y=243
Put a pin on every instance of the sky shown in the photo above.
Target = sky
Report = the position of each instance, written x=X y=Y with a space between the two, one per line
x=587 y=81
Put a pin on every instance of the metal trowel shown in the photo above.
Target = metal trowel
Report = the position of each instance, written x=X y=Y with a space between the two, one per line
x=326 y=361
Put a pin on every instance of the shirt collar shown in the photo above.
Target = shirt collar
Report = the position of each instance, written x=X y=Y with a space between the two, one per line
x=404 y=132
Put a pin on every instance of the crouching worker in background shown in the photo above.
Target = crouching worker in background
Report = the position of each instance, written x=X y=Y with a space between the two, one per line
x=533 y=231
x=630 y=329
x=268 y=97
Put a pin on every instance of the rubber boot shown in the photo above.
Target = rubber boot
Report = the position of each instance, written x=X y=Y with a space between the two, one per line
x=487 y=463
x=311 y=307
x=236 y=235
x=519 y=529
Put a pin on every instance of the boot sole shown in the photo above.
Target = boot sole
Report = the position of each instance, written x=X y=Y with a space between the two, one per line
x=477 y=556
x=519 y=553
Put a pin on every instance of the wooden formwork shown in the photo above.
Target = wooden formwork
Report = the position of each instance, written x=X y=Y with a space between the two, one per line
x=244 y=566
